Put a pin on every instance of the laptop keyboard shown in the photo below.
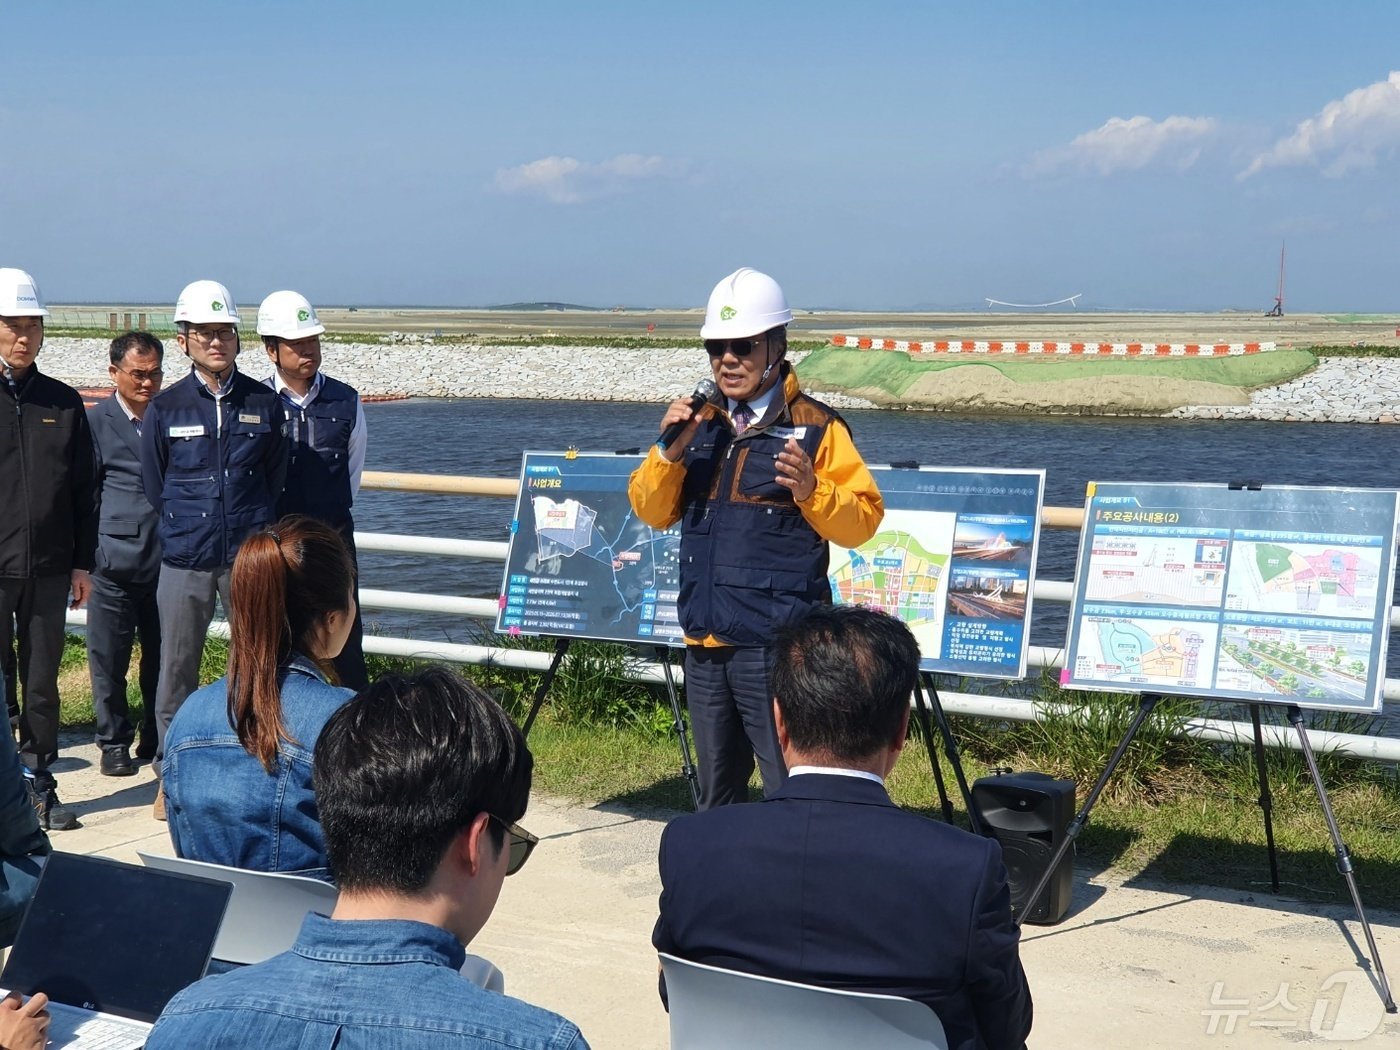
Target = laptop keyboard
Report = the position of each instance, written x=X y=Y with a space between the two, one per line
x=74 y=1029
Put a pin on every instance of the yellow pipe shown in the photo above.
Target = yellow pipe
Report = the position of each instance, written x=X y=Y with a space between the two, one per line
x=450 y=484
x=458 y=485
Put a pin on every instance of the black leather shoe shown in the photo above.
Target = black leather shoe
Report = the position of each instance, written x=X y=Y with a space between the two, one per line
x=146 y=748
x=116 y=762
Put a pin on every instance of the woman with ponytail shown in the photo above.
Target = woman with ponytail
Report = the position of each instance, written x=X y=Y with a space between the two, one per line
x=237 y=770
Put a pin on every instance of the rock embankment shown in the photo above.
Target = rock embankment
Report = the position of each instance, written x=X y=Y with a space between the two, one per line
x=438 y=369
x=1340 y=389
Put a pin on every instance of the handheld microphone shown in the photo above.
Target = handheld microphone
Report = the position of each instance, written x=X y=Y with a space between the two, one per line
x=705 y=392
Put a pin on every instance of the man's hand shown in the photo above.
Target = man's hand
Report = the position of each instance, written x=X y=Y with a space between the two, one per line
x=24 y=1026
x=795 y=471
x=80 y=587
x=679 y=411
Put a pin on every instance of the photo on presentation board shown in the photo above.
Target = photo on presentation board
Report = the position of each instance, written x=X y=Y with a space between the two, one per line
x=1268 y=595
x=954 y=558
x=580 y=563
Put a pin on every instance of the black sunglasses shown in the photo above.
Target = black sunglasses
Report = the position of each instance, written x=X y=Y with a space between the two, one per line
x=522 y=844
x=738 y=347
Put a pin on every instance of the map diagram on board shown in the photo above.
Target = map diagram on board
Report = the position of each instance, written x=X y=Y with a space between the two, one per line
x=1266 y=594
x=953 y=558
x=1304 y=577
x=580 y=562
x=1140 y=650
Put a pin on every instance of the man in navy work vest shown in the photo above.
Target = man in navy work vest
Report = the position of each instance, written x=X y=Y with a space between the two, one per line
x=326 y=428
x=213 y=459
x=759 y=490
x=123 y=599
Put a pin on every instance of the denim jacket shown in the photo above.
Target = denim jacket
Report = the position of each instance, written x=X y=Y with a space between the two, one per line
x=358 y=985
x=22 y=841
x=222 y=806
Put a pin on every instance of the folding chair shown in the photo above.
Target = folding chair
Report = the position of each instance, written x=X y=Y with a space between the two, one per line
x=716 y=1009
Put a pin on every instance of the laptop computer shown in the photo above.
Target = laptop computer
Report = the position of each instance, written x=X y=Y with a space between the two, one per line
x=111 y=944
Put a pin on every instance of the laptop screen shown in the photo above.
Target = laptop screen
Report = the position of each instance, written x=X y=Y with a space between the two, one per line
x=118 y=938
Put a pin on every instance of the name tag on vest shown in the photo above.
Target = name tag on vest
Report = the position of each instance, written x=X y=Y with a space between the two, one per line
x=248 y=417
x=783 y=433
x=187 y=432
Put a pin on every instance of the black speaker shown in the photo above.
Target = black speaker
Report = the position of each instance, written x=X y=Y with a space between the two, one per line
x=1029 y=814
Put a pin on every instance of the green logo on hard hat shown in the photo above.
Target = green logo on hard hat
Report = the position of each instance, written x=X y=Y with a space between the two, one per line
x=303 y=315
x=728 y=313
x=216 y=306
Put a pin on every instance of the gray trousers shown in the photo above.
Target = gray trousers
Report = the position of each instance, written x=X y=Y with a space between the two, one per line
x=117 y=610
x=37 y=608
x=185 y=598
x=731 y=719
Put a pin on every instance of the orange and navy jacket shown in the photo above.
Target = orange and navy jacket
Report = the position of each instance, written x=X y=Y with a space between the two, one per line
x=752 y=558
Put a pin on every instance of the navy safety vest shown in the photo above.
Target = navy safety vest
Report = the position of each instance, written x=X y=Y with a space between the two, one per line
x=750 y=563
x=213 y=470
x=318 y=477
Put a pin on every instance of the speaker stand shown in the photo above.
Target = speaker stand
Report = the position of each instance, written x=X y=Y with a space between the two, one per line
x=1295 y=716
x=950 y=749
x=1146 y=702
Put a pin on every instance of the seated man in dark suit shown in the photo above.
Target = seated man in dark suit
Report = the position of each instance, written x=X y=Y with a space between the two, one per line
x=827 y=882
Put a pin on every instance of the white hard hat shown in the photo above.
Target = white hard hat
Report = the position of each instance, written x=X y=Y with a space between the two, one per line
x=743 y=304
x=205 y=302
x=19 y=295
x=288 y=315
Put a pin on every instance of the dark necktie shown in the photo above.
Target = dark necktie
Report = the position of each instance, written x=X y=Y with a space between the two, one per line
x=743 y=416
x=136 y=422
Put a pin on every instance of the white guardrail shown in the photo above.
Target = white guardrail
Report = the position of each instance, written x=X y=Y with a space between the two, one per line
x=1004 y=708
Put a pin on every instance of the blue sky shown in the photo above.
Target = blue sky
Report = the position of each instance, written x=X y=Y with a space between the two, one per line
x=873 y=156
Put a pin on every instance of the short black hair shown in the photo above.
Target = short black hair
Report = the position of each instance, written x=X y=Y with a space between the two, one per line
x=842 y=678
x=407 y=764
x=138 y=341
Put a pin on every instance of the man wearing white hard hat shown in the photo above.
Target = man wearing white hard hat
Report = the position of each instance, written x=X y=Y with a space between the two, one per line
x=761 y=478
x=213 y=458
x=48 y=531
x=326 y=430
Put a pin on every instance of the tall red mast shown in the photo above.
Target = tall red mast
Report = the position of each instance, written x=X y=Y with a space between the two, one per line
x=1277 y=311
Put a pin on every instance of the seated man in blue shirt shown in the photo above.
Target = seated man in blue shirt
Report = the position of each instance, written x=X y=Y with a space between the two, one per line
x=419 y=782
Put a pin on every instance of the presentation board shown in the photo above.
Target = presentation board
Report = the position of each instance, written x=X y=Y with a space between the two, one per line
x=954 y=558
x=580 y=563
x=1273 y=594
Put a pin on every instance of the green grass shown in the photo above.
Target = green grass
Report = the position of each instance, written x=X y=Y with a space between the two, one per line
x=895 y=373
x=1182 y=810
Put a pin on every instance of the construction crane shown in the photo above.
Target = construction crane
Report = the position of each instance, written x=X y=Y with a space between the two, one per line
x=1277 y=311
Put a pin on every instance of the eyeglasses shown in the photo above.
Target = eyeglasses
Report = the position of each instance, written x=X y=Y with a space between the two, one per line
x=152 y=376
x=522 y=844
x=740 y=348
x=224 y=334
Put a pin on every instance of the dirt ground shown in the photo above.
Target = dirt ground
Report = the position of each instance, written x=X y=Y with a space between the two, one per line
x=1080 y=325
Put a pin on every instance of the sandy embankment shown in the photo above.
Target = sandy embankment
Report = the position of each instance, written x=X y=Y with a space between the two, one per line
x=982 y=388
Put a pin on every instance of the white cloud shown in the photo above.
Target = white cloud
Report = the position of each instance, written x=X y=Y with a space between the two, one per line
x=567 y=180
x=1347 y=134
x=1129 y=144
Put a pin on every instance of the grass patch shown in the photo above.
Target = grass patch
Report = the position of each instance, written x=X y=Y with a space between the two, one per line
x=895 y=373
x=1182 y=810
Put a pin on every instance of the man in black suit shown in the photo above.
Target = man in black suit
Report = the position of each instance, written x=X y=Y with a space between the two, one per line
x=826 y=881
x=123 y=601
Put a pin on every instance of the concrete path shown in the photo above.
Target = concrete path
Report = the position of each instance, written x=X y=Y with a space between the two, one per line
x=1140 y=967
